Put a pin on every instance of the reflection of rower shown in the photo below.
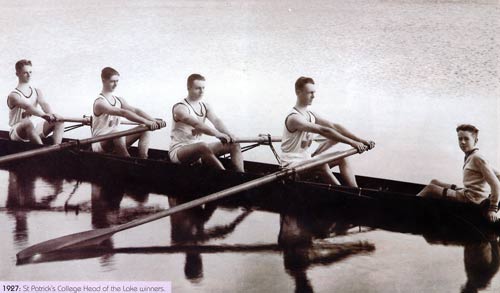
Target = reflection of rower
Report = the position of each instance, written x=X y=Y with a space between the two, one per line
x=188 y=227
x=21 y=199
x=296 y=235
x=481 y=258
x=481 y=262
x=106 y=200
x=105 y=210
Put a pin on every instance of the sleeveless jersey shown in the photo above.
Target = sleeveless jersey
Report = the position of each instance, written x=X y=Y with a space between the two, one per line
x=105 y=123
x=294 y=144
x=182 y=133
x=16 y=114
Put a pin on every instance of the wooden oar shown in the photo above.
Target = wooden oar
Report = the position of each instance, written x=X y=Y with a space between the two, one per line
x=94 y=237
x=87 y=120
x=265 y=139
x=71 y=144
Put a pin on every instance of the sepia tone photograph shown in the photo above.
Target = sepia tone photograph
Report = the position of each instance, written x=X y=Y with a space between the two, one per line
x=251 y=146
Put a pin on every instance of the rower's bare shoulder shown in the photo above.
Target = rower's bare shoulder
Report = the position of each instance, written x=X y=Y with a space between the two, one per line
x=13 y=96
x=180 y=111
x=297 y=121
x=13 y=99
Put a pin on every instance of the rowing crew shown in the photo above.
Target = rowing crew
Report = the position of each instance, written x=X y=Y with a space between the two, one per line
x=188 y=124
x=189 y=117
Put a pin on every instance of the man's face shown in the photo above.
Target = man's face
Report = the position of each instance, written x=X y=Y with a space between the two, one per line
x=24 y=74
x=197 y=89
x=111 y=83
x=306 y=94
x=466 y=140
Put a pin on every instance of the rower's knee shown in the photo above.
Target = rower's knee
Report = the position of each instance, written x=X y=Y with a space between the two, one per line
x=205 y=149
x=344 y=162
x=120 y=145
x=430 y=190
x=434 y=182
x=29 y=127
x=145 y=135
x=236 y=147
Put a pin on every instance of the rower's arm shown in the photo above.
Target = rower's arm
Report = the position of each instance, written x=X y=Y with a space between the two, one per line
x=214 y=119
x=101 y=107
x=297 y=122
x=137 y=111
x=491 y=179
x=43 y=103
x=14 y=100
x=181 y=114
x=339 y=128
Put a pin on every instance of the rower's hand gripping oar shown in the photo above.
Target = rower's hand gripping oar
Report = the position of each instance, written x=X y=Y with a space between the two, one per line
x=71 y=144
x=94 y=237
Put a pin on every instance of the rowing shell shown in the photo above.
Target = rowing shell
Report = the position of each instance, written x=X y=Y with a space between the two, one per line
x=158 y=175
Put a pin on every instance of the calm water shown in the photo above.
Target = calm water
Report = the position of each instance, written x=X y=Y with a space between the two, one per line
x=230 y=249
x=403 y=73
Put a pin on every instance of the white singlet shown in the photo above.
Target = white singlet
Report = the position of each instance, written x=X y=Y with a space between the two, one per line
x=294 y=144
x=17 y=114
x=184 y=134
x=104 y=123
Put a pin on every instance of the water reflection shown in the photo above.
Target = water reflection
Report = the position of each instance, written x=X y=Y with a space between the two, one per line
x=21 y=199
x=481 y=259
x=298 y=230
x=188 y=227
x=105 y=203
x=305 y=234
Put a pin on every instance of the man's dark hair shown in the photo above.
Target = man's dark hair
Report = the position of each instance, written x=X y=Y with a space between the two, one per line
x=468 y=127
x=21 y=63
x=193 y=77
x=301 y=81
x=107 y=72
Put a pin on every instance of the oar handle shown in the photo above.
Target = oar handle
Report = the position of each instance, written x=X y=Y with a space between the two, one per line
x=264 y=138
x=87 y=120
x=257 y=139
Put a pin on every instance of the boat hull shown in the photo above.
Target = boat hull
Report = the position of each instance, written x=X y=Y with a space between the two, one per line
x=380 y=203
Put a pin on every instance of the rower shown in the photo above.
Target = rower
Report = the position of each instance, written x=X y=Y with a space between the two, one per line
x=188 y=125
x=107 y=112
x=23 y=103
x=477 y=173
x=300 y=123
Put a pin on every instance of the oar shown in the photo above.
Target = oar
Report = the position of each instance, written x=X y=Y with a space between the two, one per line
x=94 y=237
x=71 y=144
x=264 y=138
x=87 y=120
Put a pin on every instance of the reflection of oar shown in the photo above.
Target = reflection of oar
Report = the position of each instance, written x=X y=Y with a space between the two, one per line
x=98 y=251
x=93 y=237
x=71 y=144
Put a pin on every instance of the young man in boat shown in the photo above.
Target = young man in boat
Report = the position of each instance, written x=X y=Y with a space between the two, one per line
x=477 y=174
x=108 y=110
x=23 y=103
x=301 y=123
x=188 y=125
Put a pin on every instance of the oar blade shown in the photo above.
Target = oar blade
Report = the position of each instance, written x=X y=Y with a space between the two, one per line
x=81 y=239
